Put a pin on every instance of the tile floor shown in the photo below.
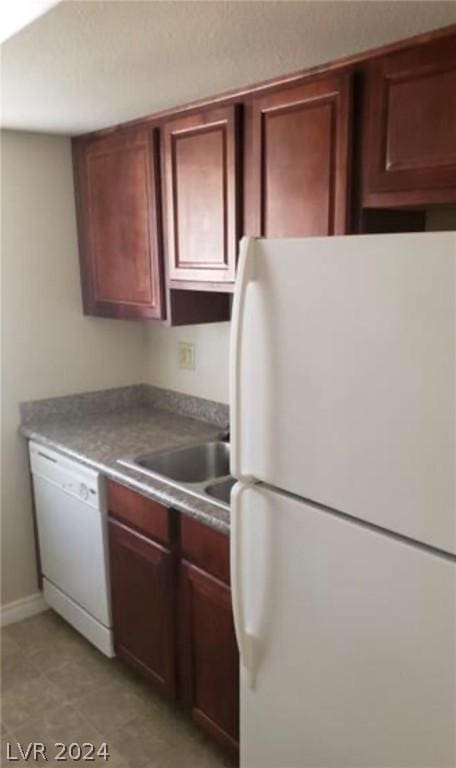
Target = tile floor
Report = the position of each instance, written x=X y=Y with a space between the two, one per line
x=58 y=687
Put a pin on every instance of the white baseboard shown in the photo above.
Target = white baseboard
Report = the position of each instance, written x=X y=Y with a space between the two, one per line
x=22 y=608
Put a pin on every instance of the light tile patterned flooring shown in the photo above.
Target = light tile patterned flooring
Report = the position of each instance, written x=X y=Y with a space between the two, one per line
x=56 y=687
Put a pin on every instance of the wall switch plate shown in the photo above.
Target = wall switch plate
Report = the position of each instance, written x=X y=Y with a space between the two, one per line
x=186 y=355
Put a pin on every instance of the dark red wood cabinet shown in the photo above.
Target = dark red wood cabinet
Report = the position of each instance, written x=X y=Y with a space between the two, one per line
x=298 y=161
x=410 y=127
x=171 y=604
x=208 y=653
x=209 y=657
x=118 y=208
x=303 y=155
x=142 y=586
x=143 y=514
x=202 y=178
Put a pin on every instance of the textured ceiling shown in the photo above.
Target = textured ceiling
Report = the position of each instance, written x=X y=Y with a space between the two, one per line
x=15 y=16
x=86 y=65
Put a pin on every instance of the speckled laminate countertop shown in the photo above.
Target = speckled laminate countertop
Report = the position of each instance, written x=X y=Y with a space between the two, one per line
x=100 y=439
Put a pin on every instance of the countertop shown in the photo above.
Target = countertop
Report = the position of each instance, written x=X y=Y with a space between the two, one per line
x=100 y=439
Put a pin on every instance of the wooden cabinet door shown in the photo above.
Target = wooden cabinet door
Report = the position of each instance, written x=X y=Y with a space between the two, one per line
x=208 y=654
x=202 y=177
x=119 y=224
x=298 y=162
x=410 y=127
x=143 y=604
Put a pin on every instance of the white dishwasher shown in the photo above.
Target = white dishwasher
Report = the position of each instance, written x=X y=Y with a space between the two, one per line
x=72 y=531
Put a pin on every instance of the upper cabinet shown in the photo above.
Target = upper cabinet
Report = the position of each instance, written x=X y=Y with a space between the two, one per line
x=117 y=192
x=410 y=127
x=202 y=197
x=362 y=145
x=298 y=152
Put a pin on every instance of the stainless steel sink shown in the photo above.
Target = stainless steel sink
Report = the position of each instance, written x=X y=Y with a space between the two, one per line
x=202 y=469
x=221 y=490
x=193 y=464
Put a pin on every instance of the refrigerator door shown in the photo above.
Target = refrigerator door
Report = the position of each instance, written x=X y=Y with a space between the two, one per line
x=352 y=637
x=343 y=376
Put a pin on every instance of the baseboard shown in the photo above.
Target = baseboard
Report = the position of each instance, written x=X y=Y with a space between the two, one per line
x=22 y=609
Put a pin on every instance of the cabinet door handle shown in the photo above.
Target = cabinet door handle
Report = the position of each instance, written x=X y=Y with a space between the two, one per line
x=245 y=274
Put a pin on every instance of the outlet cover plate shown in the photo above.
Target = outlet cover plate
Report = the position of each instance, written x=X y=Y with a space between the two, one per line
x=186 y=355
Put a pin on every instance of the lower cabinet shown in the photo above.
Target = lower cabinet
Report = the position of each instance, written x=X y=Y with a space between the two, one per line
x=171 y=605
x=142 y=586
x=209 y=660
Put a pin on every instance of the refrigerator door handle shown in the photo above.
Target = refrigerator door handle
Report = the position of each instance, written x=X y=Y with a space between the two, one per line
x=243 y=278
x=245 y=640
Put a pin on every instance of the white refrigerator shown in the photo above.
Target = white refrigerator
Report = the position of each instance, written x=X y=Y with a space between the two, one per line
x=343 y=356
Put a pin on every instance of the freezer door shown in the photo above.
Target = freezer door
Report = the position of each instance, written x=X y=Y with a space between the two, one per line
x=352 y=639
x=343 y=376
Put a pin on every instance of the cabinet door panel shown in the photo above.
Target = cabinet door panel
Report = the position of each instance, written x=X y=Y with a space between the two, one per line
x=300 y=160
x=143 y=604
x=410 y=127
x=209 y=654
x=200 y=198
x=201 y=172
x=119 y=224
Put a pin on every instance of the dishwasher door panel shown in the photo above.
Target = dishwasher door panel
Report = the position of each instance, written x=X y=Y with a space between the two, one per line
x=72 y=548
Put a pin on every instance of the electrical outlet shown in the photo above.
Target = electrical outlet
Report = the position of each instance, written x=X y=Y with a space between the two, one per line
x=186 y=355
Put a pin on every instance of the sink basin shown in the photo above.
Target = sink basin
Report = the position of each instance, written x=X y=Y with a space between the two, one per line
x=193 y=464
x=221 y=490
x=202 y=470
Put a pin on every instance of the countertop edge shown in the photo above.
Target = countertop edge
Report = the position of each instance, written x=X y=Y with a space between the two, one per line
x=124 y=476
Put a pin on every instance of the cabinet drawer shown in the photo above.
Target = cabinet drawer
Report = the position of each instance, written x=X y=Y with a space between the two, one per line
x=207 y=548
x=144 y=514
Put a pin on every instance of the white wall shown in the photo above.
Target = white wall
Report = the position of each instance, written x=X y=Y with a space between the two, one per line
x=49 y=347
x=210 y=377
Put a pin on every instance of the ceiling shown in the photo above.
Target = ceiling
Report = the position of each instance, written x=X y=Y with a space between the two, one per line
x=87 y=64
x=15 y=16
